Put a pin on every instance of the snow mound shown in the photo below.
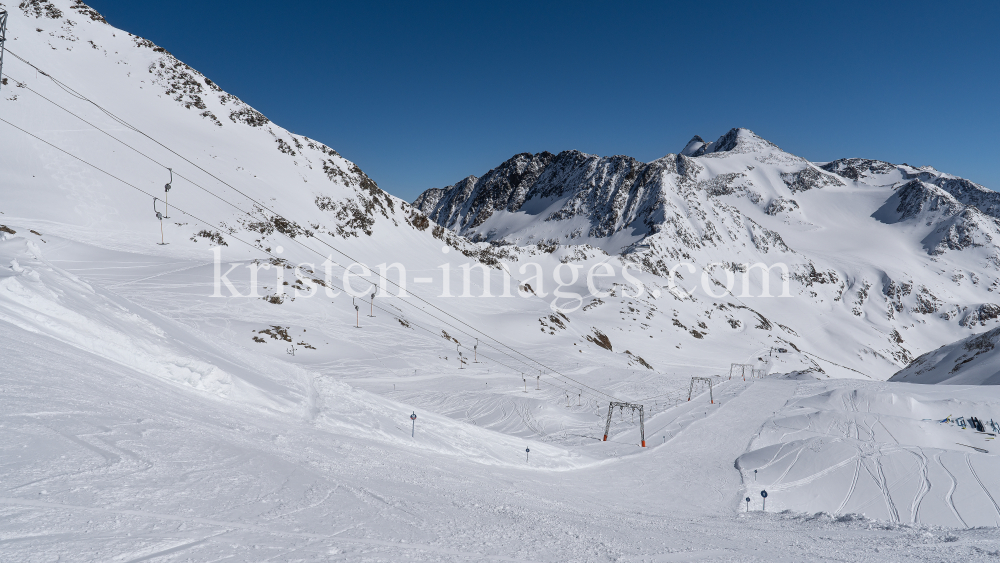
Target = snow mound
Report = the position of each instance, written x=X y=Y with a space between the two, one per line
x=894 y=454
x=41 y=298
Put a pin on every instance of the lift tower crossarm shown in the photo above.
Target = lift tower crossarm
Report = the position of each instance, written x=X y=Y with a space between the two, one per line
x=622 y=406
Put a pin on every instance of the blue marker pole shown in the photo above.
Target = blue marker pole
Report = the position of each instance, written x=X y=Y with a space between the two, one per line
x=413 y=429
x=526 y=452
x=764 y=495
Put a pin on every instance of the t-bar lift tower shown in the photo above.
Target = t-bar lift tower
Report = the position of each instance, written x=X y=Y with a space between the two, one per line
x=707 y=380
x=622 y=406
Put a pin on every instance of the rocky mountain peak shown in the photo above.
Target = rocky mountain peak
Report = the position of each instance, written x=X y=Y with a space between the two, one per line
x=738 y=140
x=693 y=146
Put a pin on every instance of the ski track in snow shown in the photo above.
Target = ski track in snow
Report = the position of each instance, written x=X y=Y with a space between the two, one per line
x=950 y=495
x=142 y=420
x=968 y=460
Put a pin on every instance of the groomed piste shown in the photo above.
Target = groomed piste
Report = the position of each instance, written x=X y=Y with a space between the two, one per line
x=186 y=375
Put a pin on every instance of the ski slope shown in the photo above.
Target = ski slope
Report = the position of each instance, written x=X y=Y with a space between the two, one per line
x=144 y=419
x=106 y=458
x=883 y=451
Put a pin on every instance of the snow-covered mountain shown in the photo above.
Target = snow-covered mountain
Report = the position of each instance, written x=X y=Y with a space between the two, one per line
x=909 y=252
x=234 y=160
x=890 y=261
x=574 y=196
x=154 y=411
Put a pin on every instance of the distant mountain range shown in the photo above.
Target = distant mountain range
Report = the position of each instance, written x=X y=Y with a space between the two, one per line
x=894 y=246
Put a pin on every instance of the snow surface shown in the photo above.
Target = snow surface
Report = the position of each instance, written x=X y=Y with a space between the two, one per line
x=143 y=419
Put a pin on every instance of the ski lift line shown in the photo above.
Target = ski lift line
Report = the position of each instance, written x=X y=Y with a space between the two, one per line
x=130 y=147
x=207 y=224
x=390 y=313
x=264 y=207
x=149 y=158
x=234 y=206
x=214 y=195
x=110 y=175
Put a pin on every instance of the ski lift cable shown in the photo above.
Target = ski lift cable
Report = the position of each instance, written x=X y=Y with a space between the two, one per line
x=223 y=199
x=130 y=147
x=196 y=218
x=247 y=243
x=264 y=207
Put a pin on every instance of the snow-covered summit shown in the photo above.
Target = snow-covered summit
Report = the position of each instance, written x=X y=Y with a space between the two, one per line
x=736 y=140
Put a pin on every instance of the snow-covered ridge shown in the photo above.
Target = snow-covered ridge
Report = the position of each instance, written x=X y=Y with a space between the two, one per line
x=974 y=360
x=586 y=197
x=235 y=160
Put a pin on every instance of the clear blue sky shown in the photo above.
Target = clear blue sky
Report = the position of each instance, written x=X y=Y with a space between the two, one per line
x=422 y=94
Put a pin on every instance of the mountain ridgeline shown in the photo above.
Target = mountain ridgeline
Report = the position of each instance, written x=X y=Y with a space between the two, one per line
x=592 y=198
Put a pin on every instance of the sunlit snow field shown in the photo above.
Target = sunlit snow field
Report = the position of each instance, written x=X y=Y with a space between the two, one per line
x=144 y=419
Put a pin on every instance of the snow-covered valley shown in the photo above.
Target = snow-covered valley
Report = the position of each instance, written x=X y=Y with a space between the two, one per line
x=223 y=396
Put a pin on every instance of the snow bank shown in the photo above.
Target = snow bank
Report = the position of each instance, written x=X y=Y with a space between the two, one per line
x=42 y=298
x=891 y=453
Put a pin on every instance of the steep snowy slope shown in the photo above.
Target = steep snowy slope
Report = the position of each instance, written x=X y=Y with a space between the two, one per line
x=77 y=170
x=970 y=361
